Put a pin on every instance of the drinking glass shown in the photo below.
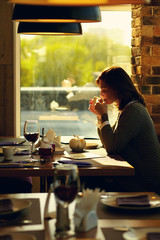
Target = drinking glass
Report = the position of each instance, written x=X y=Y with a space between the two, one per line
x=65 y=186
x=31 y=132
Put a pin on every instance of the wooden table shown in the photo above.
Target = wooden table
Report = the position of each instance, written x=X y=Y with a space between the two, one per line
x=109 y=222
x=105 y=166
x=113 y=167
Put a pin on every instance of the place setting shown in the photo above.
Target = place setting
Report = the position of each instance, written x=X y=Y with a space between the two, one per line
x=132 y=201
x=70 y=222
x=130 y=206
x=142 y=234
x=19 y=211
x=124 y=233
x=78 y=152
x=13 y=210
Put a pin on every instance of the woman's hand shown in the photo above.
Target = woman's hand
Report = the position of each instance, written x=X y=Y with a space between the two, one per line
x=92 y=107
x=100 y=108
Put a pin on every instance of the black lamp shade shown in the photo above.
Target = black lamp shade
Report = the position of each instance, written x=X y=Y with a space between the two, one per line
x=36 y=13
x=49 y=28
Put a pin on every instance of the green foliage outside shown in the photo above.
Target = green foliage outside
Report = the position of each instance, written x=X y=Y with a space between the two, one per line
x=48 y=60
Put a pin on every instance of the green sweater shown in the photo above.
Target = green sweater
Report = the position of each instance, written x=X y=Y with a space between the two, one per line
x=135 y=140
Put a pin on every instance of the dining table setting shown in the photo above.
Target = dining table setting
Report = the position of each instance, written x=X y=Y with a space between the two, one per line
x=39 y=159
x=66 y=210
x=120 y=216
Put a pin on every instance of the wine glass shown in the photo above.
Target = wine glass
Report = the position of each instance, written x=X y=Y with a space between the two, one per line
x=66 y=186
x=31 y=132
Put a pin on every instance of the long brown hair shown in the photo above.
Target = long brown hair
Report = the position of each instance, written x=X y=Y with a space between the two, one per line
x=117 y=79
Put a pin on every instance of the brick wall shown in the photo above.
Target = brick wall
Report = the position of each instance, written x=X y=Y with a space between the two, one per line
x=145 y=59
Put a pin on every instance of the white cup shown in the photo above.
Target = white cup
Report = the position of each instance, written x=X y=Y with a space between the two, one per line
x=8 y=152
x=95 y=100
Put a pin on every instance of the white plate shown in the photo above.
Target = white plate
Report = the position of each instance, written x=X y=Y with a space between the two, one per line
x=59 y=150
x=91 y=145
x=139 y=234
x=110 y=201
x=18 y=206
x=20 y=236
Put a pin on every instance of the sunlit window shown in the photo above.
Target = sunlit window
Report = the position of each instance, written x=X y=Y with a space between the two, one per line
x=58 y=73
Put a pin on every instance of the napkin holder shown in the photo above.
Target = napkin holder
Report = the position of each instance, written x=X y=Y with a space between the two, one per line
x=88 y=222
x=49 y=139
x=85 y=215
x=52 y=138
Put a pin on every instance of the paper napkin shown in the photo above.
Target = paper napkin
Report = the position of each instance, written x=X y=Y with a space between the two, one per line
x=49 y=139
x=12 y=165
x=78 y=163
x=12 y=143
x=141 y=201
x=81 y=156
x=85 y=216
x=8 y=144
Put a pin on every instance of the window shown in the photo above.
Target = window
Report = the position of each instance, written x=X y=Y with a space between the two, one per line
x=58 y=73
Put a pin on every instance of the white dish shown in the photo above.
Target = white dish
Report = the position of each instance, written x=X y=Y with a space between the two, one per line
x=91 y=145
x=20 y=236
x=19 y=205
x=59 y=150
x=139 y=234
x=110 y=201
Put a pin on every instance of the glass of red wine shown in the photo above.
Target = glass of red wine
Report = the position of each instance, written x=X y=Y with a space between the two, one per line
x=31 y=132
x=65 y=186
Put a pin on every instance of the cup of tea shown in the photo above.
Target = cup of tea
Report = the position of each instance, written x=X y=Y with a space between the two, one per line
x=8 y=152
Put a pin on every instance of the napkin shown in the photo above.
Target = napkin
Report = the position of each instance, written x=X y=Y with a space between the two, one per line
x=52 y=138
x=8 y=144
x=12 y=143
x=85 y=216
x=153 y=236
x=22 y=152
x=5 y=205
x=19 y=164
x=78 y=163
x=12 y=165
x=141 y=201
x=49 y=139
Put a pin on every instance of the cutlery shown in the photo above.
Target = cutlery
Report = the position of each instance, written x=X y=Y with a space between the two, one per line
x=123 y=229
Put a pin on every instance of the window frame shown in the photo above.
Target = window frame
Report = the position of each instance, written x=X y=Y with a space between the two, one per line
x=17 y=57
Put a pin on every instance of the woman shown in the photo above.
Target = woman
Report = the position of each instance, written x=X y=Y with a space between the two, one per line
x=133 y=136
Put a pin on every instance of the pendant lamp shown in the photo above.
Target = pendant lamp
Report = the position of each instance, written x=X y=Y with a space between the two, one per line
x=37 y=13
x=79 y=2
x=49 y=28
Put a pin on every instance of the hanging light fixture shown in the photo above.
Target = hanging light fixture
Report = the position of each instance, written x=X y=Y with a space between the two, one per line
x=49 y=28
x=79 y=2
x=37 y=13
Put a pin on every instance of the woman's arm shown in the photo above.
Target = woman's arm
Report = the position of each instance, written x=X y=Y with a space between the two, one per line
x=130 y=123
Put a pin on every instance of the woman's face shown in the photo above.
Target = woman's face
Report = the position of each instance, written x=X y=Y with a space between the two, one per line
x=108 y=94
